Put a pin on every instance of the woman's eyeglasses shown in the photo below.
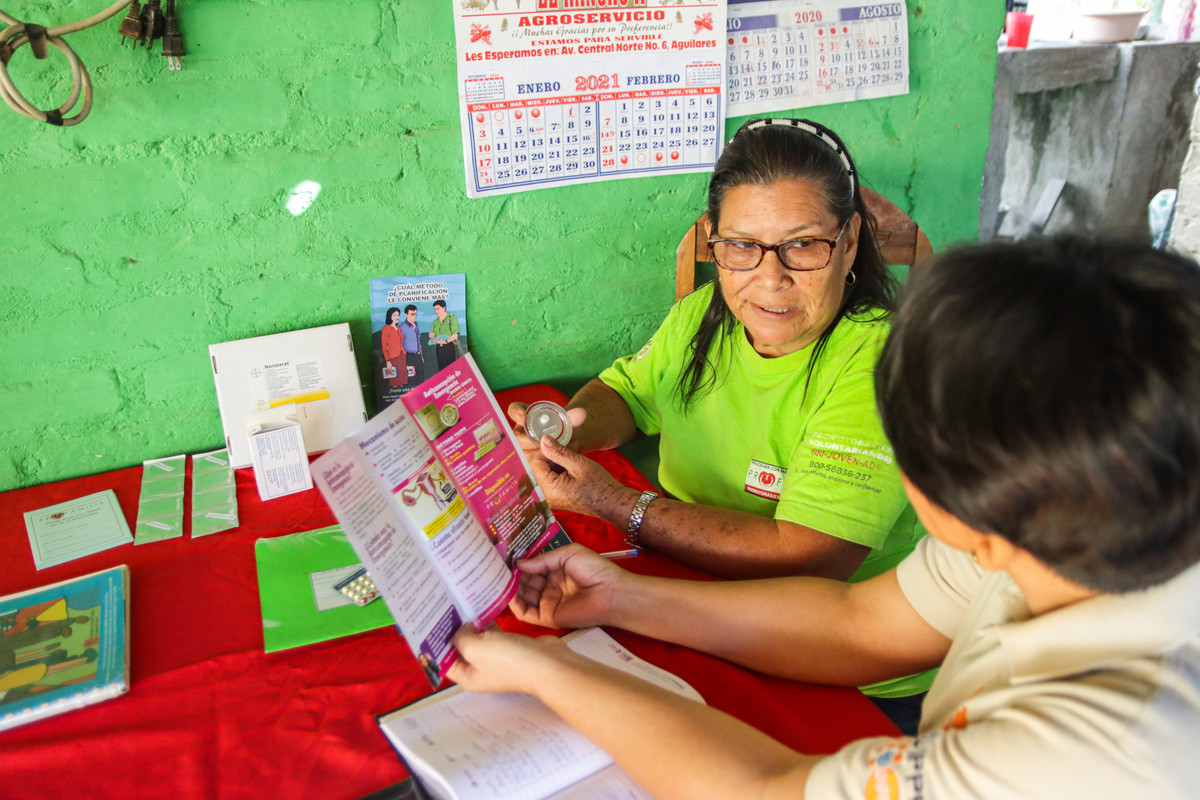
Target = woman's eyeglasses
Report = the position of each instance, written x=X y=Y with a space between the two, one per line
x=801 y=255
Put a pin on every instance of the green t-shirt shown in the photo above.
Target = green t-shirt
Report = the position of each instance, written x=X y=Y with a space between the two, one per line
x=444 y=328
x=759 y=443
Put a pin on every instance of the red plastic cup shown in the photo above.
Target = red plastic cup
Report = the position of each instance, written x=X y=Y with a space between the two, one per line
x=1018 y=23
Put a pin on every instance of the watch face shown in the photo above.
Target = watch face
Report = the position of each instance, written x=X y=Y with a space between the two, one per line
x=449 y=415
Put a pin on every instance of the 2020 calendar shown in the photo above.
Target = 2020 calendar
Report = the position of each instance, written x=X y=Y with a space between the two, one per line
x=785 y=54
x=557 y=92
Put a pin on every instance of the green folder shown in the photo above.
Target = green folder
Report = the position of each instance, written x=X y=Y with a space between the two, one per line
x=295 y=588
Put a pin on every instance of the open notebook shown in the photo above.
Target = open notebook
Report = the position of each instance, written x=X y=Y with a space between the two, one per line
x=465 y=746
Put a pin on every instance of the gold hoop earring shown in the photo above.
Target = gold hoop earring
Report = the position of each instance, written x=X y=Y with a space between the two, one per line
x=850 y=278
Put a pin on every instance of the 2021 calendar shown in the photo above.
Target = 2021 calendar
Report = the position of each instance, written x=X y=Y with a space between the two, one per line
x=557 y=92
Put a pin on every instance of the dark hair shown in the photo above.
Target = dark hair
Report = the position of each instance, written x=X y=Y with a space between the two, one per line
x=1049 y=391
x=437 y=303
x=387 y=318
x=762 y=153
x=409 y=307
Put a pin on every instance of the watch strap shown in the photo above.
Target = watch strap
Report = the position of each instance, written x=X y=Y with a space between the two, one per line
x=633 y=531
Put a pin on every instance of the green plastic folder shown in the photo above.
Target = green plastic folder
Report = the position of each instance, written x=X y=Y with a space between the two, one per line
x=299 y=605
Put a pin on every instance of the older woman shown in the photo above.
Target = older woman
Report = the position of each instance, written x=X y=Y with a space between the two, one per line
x=773 y=459
x=772 y=453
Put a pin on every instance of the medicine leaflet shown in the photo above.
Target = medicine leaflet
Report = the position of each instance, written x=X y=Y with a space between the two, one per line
x=787 y=54
x=559 y=92
x=439 y=503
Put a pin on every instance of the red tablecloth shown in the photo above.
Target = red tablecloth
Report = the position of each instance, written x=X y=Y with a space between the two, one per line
x=210 y=715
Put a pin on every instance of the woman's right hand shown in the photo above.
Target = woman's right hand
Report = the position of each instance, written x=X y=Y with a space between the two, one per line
x=574 y=482
x=568 y=587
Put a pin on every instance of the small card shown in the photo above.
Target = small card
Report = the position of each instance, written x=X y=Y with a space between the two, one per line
x=214 y=494
x=76 y=528
x=325 y=594
x=277 y=452
x=160 y=504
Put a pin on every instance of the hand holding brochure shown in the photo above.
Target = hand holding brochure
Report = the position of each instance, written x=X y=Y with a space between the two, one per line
x=438 y=502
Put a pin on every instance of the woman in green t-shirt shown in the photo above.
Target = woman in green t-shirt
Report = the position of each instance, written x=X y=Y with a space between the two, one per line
x=772 y=457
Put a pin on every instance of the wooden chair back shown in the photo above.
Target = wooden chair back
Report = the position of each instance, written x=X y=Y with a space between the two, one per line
x=900 y=240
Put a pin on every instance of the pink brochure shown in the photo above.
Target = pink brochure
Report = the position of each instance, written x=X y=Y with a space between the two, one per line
x=439 y=503
x=460 y=418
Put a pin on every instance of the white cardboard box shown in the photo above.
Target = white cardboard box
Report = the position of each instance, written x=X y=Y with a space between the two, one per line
x=313 y=368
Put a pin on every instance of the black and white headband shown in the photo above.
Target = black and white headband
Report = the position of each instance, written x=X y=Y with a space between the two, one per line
x=816 y=129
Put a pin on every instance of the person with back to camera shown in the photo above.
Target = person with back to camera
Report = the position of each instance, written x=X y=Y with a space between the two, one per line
x=773 y=460
x=1041 y=398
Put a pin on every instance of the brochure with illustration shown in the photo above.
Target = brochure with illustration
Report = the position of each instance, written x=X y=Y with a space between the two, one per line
x=438 y=502
x=63 y=646
x=465 y=746
x=418 y=327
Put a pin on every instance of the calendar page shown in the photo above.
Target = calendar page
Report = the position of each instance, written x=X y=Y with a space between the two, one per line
x=785 y=54
x=557 y=92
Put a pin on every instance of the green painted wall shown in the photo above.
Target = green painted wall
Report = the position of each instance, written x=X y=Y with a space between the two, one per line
x=157 y=226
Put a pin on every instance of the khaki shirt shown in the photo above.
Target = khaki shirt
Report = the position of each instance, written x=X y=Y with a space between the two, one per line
x=1100 y=699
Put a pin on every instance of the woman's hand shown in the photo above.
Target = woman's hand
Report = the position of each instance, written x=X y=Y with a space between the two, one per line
x=493 y=661
x=568 y=587
x=573 y=482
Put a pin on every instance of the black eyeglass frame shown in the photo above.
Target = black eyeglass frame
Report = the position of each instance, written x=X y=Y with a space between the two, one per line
x=764 y=248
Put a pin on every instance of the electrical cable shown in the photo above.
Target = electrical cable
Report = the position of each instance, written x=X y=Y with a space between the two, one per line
x=37 y=37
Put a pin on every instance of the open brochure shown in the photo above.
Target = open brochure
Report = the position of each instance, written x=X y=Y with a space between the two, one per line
x=465 y=746
x=438 y=502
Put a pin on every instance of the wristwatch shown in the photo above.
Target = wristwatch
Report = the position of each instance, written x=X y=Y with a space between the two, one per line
x=633 y=532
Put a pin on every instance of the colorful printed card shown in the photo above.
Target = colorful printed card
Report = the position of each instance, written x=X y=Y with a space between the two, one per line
x=63 y=646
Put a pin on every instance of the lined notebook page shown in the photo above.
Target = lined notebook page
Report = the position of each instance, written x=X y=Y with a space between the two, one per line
x=496 y=747
x=493 y=747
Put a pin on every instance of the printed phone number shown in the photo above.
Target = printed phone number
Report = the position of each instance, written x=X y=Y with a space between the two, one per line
x=836 y=470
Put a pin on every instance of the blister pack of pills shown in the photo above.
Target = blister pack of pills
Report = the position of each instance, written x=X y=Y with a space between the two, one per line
x=359 y=588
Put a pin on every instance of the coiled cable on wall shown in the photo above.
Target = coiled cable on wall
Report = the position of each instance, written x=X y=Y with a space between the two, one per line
x=37 y=37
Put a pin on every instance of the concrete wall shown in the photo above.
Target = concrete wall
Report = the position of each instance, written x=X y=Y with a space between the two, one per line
x=1110 y=120
x=1185 y=228
x=158 y=225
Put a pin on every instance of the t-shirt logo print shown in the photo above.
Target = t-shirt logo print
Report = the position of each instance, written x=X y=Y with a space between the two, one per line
x=764 y=479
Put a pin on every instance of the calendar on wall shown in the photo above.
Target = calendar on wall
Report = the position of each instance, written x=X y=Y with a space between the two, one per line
x=785 y=54
x=558 y=92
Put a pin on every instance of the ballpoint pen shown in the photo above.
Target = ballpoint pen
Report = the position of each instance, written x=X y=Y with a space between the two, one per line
x=616 y=554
